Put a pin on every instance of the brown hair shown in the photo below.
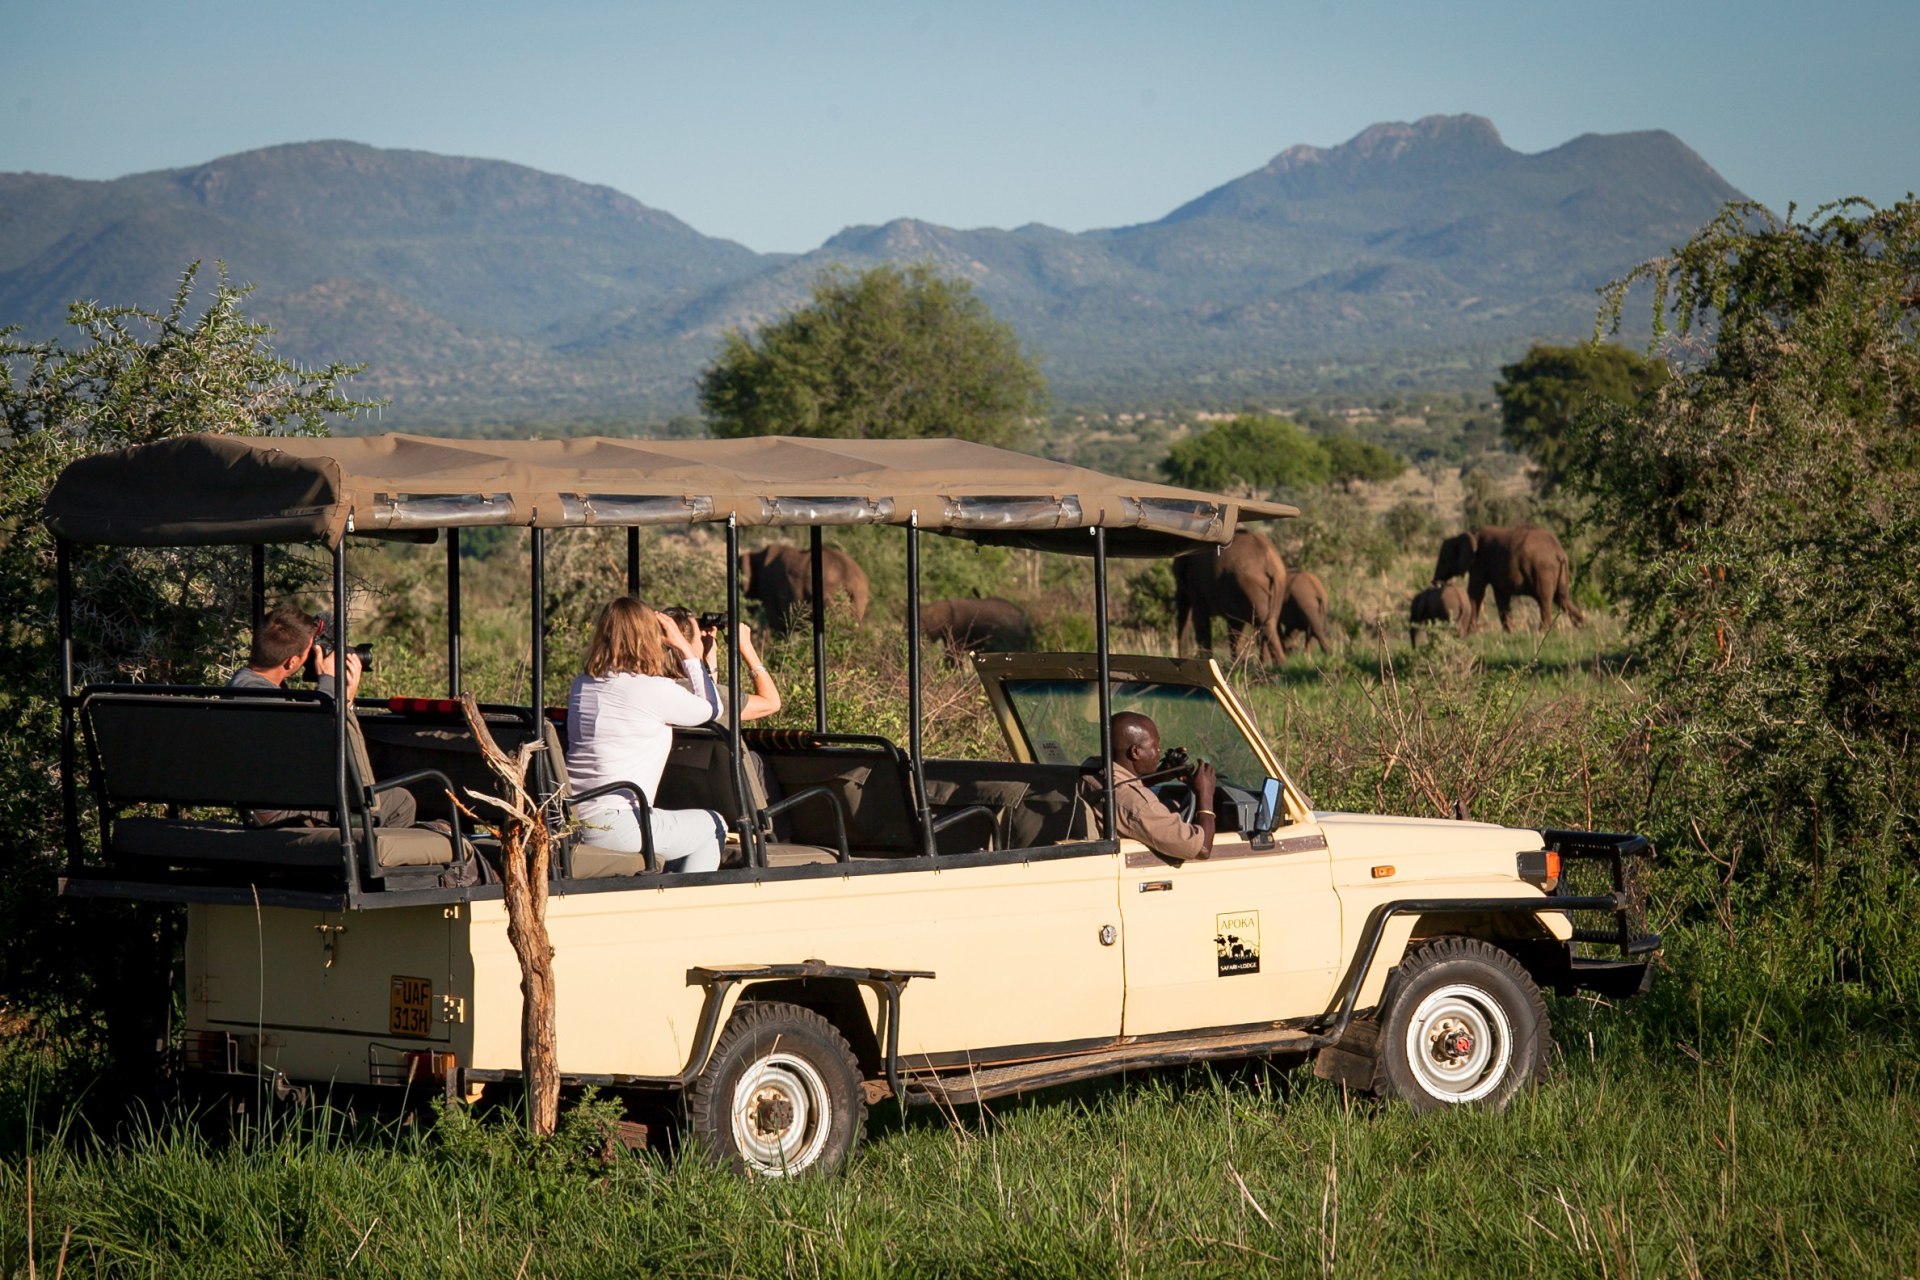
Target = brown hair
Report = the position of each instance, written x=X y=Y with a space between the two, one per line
x=284 y=633
x=626 y=639
x=685 y=619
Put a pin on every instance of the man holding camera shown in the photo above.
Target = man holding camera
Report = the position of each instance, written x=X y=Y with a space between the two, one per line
x=286 y=639
x=1139 y=813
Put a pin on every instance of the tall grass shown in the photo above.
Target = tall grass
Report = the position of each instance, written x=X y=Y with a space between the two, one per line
x=1728 y=1153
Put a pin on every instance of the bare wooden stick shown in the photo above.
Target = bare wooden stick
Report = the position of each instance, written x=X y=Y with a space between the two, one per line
x=526 y=855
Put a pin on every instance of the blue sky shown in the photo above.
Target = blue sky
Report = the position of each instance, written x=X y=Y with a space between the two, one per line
x=777 y=124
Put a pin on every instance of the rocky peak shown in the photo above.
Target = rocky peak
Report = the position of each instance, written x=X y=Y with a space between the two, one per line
x=1386 y=143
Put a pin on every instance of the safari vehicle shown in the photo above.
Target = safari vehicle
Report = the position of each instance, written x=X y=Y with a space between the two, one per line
x=886 y=924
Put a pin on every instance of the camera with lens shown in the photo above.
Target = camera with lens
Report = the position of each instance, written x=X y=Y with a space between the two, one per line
x=713 y=619
x=323 y=643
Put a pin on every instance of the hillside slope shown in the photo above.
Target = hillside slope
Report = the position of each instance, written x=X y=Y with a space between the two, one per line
x=476 y=289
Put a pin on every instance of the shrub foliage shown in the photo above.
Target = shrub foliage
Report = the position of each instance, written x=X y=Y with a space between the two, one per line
x=887 y=353
x=1763 y=517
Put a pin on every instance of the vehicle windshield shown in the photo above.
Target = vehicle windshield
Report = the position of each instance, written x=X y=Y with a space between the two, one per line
x=1061 y=722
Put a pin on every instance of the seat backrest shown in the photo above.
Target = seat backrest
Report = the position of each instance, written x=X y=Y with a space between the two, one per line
x=699 y=775
x=871 y=784
x=1040 y=801
x=237 y=753
x=402 y=744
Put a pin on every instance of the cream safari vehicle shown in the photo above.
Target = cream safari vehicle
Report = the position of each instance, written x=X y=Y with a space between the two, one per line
x=886 y=924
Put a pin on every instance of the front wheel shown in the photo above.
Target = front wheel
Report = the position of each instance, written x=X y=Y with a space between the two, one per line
x=1462 y=1024
x=781 y=1094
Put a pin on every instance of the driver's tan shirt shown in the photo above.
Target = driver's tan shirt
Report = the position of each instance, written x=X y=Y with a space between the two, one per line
x=1141 y=815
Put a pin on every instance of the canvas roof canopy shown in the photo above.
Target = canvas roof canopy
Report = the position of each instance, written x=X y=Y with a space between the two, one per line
x=220 y=490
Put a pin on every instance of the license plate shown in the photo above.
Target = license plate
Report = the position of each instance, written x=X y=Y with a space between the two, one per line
x=410 y=1007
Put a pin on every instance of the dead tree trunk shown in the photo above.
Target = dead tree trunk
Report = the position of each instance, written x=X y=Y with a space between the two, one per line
x=526 y=851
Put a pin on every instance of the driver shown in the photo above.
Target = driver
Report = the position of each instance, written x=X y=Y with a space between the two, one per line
x=1141 y=814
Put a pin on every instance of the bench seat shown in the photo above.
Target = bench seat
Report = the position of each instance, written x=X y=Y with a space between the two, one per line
x=181 y=841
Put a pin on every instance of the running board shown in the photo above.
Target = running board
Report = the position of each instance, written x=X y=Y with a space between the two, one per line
x=980 y=1084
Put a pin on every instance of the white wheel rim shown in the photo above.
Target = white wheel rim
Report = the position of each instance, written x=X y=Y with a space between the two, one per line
x=1459 y=1044
x=781 y=1114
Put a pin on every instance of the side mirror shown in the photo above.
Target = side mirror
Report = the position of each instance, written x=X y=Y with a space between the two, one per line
x=1269 y=806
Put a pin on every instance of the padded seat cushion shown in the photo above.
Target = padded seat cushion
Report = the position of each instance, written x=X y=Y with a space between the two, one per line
x=591 y=862
x=182 y=841
x=798 y=855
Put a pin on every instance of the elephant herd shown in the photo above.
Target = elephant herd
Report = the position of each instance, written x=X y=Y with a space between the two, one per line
x=780 y=578
x=1245 y=585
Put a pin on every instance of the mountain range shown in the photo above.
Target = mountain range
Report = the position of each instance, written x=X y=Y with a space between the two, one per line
x=478 y=291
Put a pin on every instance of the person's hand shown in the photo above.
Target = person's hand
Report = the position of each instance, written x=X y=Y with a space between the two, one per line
x=1204 y=779
x=743 y=640
x=327 y=663
x=676 y=639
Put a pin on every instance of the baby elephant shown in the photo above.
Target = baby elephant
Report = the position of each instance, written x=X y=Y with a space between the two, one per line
x=1437 y=604
x=979 y=626
x=1303 y=612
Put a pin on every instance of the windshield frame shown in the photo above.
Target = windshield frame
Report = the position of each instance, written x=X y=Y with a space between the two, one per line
x=999 y=671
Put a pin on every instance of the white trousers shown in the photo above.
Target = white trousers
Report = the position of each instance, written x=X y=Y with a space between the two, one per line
x=683 y=839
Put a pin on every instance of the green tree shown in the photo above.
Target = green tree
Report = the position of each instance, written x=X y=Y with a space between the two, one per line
x=887 y=353
x=1763 y=509
x=1253 y=453
x=132 y=376
x=1542 y=394
x=1351 y=461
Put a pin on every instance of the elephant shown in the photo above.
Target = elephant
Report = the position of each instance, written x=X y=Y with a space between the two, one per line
x=780 y=577
x=1303 y=612
x=1243 y=582
x=965 y=624
x=1437 y=604
x=1516 y=560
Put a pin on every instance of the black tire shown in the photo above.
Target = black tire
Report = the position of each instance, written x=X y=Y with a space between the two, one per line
x=781 y=1094
x=1461 y=1024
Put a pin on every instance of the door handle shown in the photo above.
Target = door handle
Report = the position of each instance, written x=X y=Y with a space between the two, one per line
x=1156 y=886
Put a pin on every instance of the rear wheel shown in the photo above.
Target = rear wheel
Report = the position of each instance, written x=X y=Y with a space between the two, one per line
x=781 y=1094
x=1462 y=1025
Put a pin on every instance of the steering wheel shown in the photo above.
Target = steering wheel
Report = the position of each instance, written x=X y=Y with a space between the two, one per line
x=1180 y=797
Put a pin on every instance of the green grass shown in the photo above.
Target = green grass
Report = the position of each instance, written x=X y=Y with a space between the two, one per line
x=1639 y=1157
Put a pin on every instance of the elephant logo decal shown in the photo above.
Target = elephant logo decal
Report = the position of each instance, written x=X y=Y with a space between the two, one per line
x=1236 y=943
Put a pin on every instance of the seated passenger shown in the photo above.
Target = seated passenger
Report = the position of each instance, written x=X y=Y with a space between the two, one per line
x=1140 y=814
x=765 y=698
x=280 y=647
x=621 y=713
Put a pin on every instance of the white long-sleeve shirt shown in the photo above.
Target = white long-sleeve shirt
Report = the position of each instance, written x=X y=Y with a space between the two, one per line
x=620 y=729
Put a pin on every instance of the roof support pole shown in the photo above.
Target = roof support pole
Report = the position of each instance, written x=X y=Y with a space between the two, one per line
x=69 y=757
x=633 y=561
x=914 y=735
x=342 y=709
x=750 y=841
x=819 y=632
x=453 y=613
x=537 y=663
x=1104 y=658
x=259 y=593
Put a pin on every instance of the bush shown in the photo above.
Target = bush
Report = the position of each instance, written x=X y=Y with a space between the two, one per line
x=1762 y=515
x=1412 y=525
x=1147 y=599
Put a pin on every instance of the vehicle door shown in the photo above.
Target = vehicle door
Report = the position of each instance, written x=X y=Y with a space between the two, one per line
x=1253 y=933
